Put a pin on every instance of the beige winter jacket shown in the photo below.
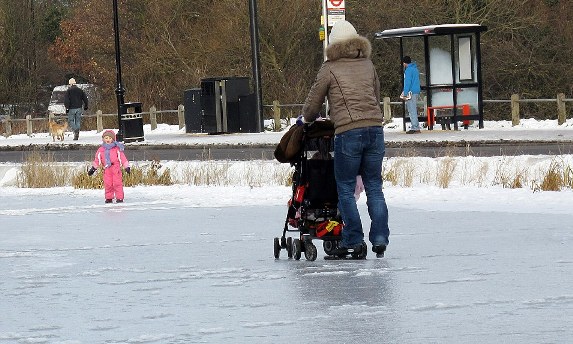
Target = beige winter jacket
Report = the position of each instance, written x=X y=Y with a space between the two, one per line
x=350 y=82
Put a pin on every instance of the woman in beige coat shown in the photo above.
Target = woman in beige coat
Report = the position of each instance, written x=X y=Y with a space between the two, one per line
x=350 y=82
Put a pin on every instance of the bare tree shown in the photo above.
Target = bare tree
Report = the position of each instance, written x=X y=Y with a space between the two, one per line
x=170 y=45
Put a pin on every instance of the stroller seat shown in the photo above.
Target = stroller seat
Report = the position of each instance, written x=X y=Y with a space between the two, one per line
x=321 y=189
x=313 y=206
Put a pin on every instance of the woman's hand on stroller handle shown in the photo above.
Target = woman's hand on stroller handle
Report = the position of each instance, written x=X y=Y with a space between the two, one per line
x=301 y=121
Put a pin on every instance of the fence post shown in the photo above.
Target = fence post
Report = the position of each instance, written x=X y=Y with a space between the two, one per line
x=99 y=121
x=8 y=126
x=276 y=115
x=29 y=125
x=425 y=100
x=561 y=112
x=387 y=110
x=181 y=116
x=153 y=117
x=514 y=109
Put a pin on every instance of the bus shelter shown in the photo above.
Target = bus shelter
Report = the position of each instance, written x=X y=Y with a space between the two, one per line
x=449 y=60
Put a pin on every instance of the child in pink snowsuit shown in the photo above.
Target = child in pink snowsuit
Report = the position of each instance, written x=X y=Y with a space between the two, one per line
x=110 y=155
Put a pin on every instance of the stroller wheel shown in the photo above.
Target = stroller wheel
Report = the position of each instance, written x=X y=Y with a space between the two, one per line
x=283 y=242
x=310 y=251
x=277 y=248
x=296 y=249
x=329 y=246
x=289 y=247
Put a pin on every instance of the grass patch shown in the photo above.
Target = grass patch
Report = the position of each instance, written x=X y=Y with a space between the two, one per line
x=246 y=173
x=81 y=180
x=149 y=175
x=509 y=178
x=400 y=172
x=553 y=178
x=568 y=177
x=445 y=174
x=42 y=171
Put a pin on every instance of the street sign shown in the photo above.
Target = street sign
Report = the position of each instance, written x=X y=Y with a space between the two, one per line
x=336 y=10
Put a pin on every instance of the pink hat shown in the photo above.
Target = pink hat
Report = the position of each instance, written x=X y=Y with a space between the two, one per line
x=109 y=133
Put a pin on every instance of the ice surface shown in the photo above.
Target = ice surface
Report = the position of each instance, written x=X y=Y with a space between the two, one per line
x=162 y=268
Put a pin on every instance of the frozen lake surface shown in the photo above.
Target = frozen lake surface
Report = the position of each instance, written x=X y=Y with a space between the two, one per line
x=73 y=270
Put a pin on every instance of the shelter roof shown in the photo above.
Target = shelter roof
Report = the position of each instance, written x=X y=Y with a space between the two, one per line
x=430 y=30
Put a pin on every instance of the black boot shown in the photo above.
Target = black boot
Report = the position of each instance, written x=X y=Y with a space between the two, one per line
x=76 y=135
x=355 y=251
x=108 y=200
x=379 y=250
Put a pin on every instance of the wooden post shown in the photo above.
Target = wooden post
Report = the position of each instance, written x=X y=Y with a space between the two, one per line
x=153 y=117
x=387 y=110
x=8 y=126
x=99 y=121
x=181 y=116
x=29 y=125
x=276 y=115
x=561 y=111
x=514 y=109
x=425 y=101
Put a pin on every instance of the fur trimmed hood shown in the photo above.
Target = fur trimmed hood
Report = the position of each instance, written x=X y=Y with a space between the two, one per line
x=358 y=47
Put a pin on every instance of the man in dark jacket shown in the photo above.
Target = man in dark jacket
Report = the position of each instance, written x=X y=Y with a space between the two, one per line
x=75 y=102
x=350 y=82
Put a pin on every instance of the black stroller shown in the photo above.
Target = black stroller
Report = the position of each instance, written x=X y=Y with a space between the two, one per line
x=313 y=206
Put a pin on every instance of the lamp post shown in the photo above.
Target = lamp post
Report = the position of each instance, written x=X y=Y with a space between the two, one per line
x=256 y=62
x=119 y=91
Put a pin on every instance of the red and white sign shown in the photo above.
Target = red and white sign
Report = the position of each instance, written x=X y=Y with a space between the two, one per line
x=336 y=3
x=335 y=11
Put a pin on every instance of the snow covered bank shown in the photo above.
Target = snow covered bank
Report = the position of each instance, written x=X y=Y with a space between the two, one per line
x=448 y=172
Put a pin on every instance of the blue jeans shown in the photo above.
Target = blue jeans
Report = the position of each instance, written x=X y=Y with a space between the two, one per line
x=75 y=118
x=360 y=152
x=411 y=106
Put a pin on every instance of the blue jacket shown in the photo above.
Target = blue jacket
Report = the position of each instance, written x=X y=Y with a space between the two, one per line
x=411 y=79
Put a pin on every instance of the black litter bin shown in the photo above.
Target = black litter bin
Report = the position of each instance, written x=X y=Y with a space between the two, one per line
x=220 y=103
x=193 y=112
x=132 y=122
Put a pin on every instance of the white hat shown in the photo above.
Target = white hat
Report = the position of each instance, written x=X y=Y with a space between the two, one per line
x=341 y=31
x=72 y=81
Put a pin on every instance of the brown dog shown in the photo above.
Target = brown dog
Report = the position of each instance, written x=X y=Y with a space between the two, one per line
x=57 y=130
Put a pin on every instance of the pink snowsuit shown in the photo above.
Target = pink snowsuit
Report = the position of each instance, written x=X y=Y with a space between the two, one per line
x=112 y=178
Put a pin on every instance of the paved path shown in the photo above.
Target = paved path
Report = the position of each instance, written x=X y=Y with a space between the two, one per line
x=185 y=153
x=172 y=143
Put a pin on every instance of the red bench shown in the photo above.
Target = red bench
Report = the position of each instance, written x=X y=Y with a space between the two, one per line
x=432 y=113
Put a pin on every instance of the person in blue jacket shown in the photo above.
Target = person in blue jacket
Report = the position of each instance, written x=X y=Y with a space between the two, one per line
x=411 y=92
